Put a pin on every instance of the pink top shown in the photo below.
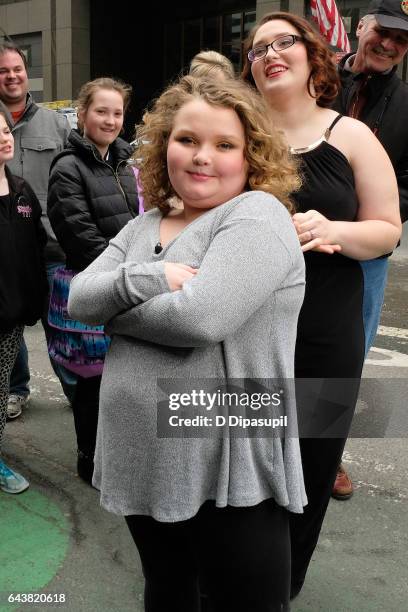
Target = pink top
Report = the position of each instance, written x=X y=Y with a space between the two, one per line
x=139 y=191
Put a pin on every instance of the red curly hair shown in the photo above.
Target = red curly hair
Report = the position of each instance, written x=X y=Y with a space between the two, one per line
x=323 y=75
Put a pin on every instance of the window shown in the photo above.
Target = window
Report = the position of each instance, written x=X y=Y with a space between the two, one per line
x=223 y=33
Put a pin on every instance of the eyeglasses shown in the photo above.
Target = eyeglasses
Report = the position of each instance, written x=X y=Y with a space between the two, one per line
x=279 y=44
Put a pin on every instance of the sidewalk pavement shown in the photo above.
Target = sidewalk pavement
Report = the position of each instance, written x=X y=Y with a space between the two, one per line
x=57 y=541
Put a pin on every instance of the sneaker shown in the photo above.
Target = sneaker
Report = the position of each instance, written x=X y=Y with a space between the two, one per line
x=343 y=487
x=10 y=481
x=15 y=406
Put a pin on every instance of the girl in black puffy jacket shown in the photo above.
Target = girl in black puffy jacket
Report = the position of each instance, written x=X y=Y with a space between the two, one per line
x=92 y=194
x=23 y=282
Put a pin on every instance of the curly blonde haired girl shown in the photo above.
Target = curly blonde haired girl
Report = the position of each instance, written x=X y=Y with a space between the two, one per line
x=270 y=167
x=212 y=290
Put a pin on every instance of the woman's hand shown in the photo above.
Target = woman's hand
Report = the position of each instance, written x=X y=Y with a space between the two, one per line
x=177 y=274
x=314 y=232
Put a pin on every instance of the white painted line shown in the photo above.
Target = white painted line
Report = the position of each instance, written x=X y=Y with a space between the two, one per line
x=387 y=358
x=393 y=332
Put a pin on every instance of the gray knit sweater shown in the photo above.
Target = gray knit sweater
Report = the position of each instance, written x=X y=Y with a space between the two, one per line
x=236 y=318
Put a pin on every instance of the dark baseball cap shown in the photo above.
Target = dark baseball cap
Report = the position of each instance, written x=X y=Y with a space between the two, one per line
x=390 y=13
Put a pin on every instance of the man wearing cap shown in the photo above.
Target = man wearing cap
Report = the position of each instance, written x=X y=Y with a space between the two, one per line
x=373 y=93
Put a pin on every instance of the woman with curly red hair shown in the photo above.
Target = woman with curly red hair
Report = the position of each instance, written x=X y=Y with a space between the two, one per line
x=347 y=210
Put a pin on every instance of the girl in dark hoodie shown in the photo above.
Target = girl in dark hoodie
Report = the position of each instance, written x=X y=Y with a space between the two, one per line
x=23 y=284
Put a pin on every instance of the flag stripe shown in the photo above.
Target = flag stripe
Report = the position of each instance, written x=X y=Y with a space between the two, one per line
x=330 y=23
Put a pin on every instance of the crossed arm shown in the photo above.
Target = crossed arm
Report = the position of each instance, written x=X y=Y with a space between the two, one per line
x=110 y=284
x=246 y=262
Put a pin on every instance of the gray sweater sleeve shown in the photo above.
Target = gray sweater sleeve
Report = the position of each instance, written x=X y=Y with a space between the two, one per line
x=110 y=285
x=246 y=262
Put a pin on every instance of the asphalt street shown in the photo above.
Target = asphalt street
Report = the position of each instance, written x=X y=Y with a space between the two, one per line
x=56 y=541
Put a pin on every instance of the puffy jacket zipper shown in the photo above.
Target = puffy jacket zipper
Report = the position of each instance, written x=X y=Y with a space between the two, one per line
x=115 y=174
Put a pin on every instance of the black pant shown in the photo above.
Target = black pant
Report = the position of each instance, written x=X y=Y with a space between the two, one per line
x=331 y=412
x=320 y=460
x=85 y=407
x=241 y=555
x=330 y=348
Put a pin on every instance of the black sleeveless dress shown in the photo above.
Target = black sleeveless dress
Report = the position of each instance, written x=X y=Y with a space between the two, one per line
x=330 y=343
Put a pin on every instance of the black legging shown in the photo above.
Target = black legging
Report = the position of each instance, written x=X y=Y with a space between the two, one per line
x=242 y=556
x=85 y=407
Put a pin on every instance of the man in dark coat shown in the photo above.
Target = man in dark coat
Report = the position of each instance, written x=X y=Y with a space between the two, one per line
x=372 y=92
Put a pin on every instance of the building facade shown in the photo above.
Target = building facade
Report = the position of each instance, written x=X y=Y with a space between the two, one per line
x=69 y=41
x=55 y=36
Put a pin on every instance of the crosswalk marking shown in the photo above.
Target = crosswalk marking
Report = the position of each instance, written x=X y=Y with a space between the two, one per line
x=393 y=332
x=386 y=358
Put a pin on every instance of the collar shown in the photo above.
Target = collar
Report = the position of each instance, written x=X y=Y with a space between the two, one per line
x=348 y=66
x=9 y=118
x=29 y=110
x=119 y=150
x=348 y=63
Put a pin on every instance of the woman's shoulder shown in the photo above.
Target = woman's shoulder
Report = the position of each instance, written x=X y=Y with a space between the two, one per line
x=263 y=214
x=67 y=160
x=17 y=184
x=148 y=217
x=121 y=149
x=352 y=137
x=71 y=163
x=266 y=218
x=258 y=205
x=352 y=126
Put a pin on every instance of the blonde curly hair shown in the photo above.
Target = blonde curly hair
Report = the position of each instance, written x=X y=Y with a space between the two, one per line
x=211 y=64
x=270 y=167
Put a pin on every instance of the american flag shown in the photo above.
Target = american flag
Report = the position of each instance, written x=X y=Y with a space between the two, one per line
x=331 y=25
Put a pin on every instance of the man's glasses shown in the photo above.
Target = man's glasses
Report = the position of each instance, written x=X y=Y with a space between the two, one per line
x=279 y=44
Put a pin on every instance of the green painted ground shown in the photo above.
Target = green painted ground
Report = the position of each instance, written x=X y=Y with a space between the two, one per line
x=34 y=539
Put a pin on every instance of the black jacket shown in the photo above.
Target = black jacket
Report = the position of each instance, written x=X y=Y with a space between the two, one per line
x=386 y=113
x=89 y=200
x=23 y=281
x=39 y=135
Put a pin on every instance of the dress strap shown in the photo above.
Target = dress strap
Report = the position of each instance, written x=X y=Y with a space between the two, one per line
x=331 y=126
